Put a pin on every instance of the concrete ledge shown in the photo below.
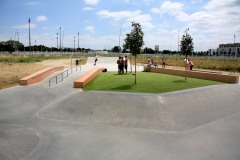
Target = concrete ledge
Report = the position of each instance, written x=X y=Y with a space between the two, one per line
x=87 y=77
x=40 y=75
x=208 y=75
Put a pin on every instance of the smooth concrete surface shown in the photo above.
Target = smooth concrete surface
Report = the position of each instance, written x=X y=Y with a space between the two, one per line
x=60 y=122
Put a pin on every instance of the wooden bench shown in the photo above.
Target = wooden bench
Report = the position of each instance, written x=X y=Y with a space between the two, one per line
x=208 y=75
x=87 y=77
x=40 y=75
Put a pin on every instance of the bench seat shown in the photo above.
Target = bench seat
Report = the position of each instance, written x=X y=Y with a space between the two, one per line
x=208 y=75
x=40 y=75
x=87 y=77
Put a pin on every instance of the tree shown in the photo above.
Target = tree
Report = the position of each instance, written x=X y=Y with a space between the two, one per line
x=148 y=51
x=186 y=44
x=116 y=49
x=134 y=42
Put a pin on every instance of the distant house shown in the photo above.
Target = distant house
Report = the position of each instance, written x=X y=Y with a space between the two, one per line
x=212 y=52
x=229 y=49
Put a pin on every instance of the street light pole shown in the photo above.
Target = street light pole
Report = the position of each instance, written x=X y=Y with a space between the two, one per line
x=18 y=41
x=57 y=41
x=186 y=36
x=74 y=43
x=60 y=39
x=29 y=21
x=178 y=41
x=119 y=42
x=78 y=41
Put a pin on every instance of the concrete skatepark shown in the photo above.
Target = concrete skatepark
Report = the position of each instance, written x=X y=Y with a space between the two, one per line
x=39 y=122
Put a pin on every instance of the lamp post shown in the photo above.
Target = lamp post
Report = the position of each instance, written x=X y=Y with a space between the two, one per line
x=29 y=21
x=18 y=41
x=186 y=63
x=234 y=45
x=78 y=41
x=119 y=41
x=57 y=41
x=74 y=43
x=60 y=39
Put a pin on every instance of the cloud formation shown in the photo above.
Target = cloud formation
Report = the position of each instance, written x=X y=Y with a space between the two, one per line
x=41 y=18
x=90 y=29
x=88 y=8
x=92 y=2
x=128 y=17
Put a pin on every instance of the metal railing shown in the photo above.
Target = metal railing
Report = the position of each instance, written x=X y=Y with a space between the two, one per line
x=61 y=76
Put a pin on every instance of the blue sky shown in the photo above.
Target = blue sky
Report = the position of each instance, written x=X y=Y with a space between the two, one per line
x=210 y=22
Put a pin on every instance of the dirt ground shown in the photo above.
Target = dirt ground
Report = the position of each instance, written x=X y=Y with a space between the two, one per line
x=10 y=73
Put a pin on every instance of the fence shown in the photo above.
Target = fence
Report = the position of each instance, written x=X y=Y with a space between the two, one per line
x=61 y=76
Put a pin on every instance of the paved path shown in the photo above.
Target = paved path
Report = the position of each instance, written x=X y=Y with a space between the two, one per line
x=38 y=122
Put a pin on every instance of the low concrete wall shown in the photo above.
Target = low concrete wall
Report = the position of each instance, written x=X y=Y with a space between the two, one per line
x=40 y=75
x=208 y=75
x=87 y=77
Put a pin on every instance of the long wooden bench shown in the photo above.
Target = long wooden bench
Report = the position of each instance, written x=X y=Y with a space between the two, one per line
x=40 y=75
x=208 y=75
x=87 y=77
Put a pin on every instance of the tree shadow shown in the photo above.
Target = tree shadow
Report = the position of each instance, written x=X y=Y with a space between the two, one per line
x=179 y=81
x=124 y=87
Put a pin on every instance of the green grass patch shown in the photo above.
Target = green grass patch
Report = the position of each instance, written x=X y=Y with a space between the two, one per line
x=147 y=82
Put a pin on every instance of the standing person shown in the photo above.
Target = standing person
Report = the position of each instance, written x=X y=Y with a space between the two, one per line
x=126 y=64
x=122 y=65
x=190 y=64
x=119 y=65
x=163 y=62
x=95 y=60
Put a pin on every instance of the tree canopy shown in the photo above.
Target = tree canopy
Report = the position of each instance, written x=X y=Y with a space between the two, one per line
x=186 y=44
x=134 y=39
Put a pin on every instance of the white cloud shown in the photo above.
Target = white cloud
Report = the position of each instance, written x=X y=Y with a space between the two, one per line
x=41 y=18
x=174 y=9
x=90 y=29
x=88 y=8
x=92 y=1
x=118 y=15
x=196 y=1
x=128 y=17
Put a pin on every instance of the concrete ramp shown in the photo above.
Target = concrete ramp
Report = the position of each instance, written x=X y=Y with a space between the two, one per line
x=178 y=112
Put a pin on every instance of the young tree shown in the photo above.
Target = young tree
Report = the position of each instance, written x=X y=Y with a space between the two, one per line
x=134 y=42
x=186 y=44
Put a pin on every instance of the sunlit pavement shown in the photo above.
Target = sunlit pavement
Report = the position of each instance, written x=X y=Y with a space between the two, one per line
x=60 y=122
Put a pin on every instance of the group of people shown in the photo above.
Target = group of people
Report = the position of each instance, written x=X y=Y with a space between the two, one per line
x=188 y=64
x=122 y=64
x=151 y=63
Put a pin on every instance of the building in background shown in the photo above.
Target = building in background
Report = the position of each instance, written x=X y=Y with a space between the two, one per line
x=231 y=49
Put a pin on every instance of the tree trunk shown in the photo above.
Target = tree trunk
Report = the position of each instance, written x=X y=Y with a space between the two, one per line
x=135 y=69
x=131 y=62
x=186 y=68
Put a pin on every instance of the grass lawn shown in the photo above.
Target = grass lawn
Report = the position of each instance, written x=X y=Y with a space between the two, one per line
x=147 y=82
